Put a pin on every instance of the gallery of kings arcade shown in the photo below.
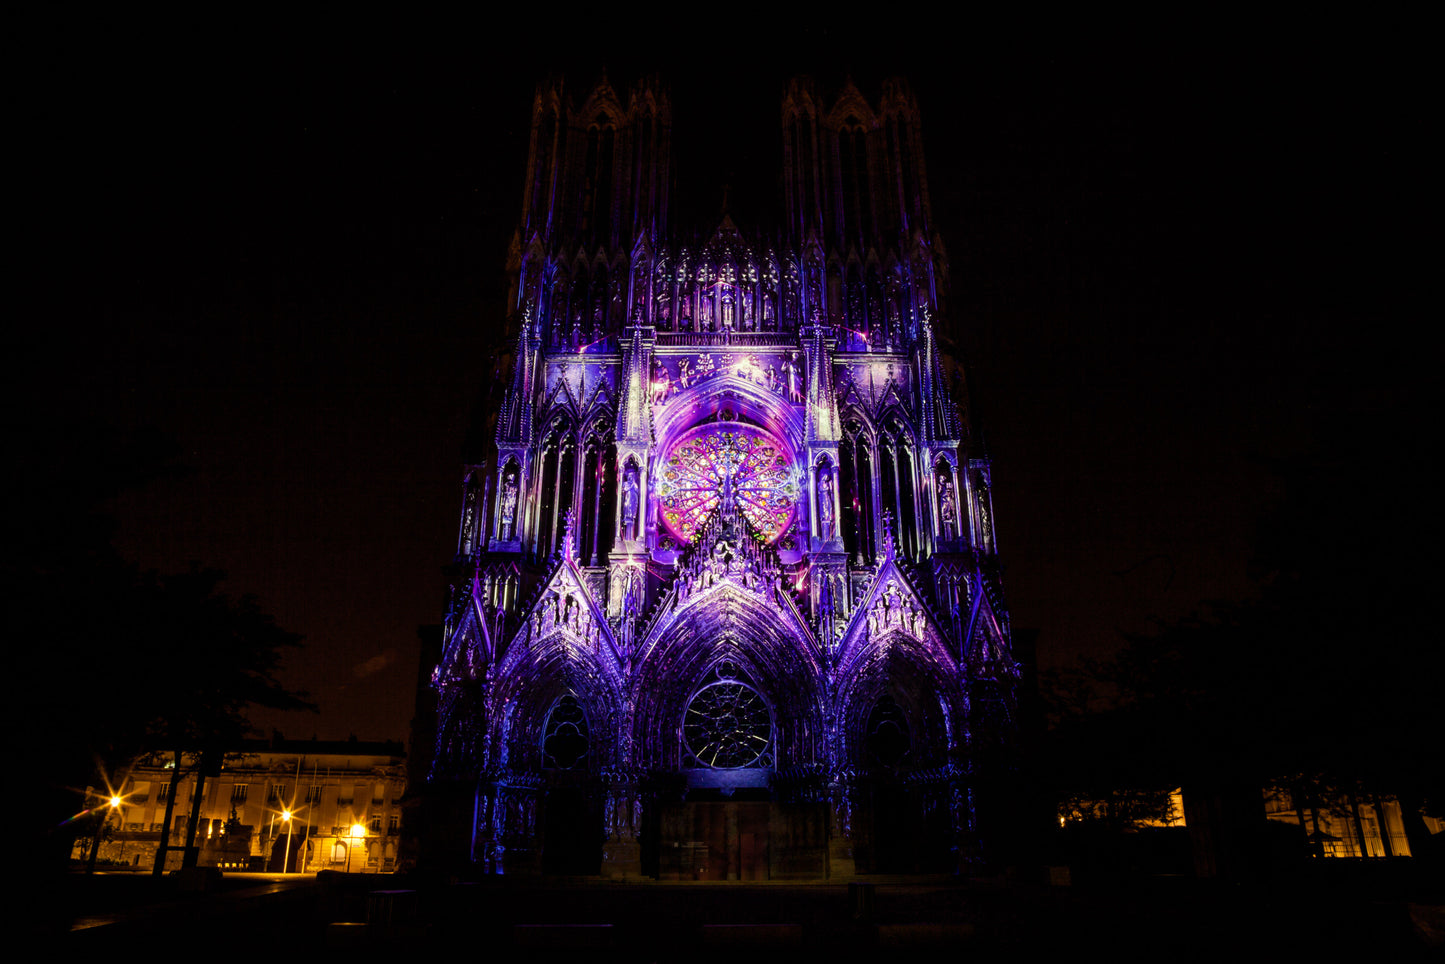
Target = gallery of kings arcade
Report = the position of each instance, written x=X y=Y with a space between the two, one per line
x=726 y=599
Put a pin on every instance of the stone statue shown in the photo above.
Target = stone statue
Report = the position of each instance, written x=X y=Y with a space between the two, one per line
x=629 y=502
x=947 y=508
x=825 y=506
x=509 y=507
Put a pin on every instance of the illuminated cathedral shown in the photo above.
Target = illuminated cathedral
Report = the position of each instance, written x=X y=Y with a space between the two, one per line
x=726 y=599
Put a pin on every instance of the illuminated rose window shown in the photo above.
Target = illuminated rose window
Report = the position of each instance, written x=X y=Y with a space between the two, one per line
x=712 y=459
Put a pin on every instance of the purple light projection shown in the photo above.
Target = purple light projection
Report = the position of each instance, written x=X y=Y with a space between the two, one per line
x=729 y=610
x=709 y=462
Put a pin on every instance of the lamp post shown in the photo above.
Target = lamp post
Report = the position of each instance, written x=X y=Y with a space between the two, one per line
x=358 y=834
x=112 y=804
x=286 y=854
x=115 y=802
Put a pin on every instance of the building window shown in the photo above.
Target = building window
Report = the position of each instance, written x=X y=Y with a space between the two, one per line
x=756 y=466
x=888 y=739
x=727 y=725
x=565 y=743
x=238 y=793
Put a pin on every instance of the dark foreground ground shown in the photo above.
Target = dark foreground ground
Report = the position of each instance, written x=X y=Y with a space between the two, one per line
x=257 y=917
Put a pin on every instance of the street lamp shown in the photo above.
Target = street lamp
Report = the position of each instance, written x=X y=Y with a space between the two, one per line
x=112 y=804
x=358 y=834
x=115 y=801
x=286 y=854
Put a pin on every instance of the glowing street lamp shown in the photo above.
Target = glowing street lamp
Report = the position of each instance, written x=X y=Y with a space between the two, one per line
x=114 y=802
x=358 y=834
x=100 y=820
x=286 y=854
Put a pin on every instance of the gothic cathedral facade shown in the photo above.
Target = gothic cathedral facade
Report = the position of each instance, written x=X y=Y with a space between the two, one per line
x=726 y=599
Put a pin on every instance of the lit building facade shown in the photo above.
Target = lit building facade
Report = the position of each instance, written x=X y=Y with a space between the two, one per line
x=343 y=799
x=726 y=601
x=1346 y=826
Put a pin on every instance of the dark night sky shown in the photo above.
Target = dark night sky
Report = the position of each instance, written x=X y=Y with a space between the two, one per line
x=1171 y=268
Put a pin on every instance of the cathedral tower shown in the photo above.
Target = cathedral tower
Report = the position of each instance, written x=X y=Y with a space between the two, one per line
x=726 y=597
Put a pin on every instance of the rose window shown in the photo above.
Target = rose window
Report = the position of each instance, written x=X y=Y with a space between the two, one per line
x=710 y=461
x=727 y=726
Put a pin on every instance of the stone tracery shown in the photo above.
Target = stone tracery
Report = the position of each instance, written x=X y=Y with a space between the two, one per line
x=740 y=462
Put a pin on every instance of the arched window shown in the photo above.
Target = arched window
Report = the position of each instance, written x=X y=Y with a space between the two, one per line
x=857 y=316
x=850 y=495
x=887 y=740
x=908 y=502
x=597 y=191
x=565 y=737
x=853 y=157
x=877 y=324
x=643 y=167
x=836 y=304
x=597 y=494
x=545 y=155
x=600 y=302
x=557 y=309
x=558 y=454
x=727 y=725
x=571 y=331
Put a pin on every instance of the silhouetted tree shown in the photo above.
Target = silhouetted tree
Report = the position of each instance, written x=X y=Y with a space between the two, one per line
x=112 y=662
x=1326 y=684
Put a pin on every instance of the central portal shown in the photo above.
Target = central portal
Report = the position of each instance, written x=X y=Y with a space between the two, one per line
x=715 y=841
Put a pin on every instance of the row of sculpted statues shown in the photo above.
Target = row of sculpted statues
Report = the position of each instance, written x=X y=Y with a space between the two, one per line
x=893 y=610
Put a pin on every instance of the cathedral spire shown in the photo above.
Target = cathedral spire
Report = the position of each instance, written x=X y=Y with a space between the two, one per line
x=822 y=405
x=937 y=416
x=634 y=419
x=515 y=424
